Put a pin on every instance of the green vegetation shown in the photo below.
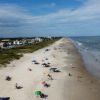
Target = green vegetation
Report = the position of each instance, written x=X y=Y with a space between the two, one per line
x=15 y=53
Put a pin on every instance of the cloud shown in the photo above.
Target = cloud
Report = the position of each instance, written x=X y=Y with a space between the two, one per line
x=90 y=11
x=15 y=19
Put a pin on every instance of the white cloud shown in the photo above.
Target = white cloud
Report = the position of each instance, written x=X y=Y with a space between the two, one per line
x=90 y=11
x=15 y=18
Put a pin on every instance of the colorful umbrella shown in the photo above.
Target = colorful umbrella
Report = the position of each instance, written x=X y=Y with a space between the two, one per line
x=38 y=93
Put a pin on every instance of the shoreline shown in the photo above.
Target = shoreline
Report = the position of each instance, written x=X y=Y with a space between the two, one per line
x=90 y=64
x=90 y=59
x=72 y=83
x=83 y=85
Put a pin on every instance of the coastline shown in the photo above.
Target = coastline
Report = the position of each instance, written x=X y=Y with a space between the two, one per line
x=72 y=83
x=82 y=85
x=90 y=57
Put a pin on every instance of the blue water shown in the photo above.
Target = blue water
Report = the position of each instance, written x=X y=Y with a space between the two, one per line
x=90 y=42
x=89 y=47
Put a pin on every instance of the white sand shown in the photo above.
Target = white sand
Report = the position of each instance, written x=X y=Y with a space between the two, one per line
x=79 y=86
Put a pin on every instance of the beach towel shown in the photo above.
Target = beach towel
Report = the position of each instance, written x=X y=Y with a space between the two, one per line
x=4 y=98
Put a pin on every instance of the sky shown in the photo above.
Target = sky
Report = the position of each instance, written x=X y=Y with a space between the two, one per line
x=26 y=18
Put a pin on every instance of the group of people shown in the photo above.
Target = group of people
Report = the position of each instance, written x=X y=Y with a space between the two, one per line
x=49 y=76
x=38 y=93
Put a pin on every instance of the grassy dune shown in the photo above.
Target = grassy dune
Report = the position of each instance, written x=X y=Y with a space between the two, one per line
x=15 y=53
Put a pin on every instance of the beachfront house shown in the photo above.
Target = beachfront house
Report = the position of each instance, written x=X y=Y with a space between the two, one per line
x=5 y=43
x=49 y=37
x=17 y=42
x=32 y=40
x=37 y=39
x=23 y=41
x=1 y=44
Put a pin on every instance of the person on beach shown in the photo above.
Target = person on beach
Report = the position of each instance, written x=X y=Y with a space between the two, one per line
x=40 y=94
x=45 y=84
x=8 y=78
x=18 y=87
x=50 y=77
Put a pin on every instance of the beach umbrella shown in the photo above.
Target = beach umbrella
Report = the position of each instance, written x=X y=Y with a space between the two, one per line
x=38 y=93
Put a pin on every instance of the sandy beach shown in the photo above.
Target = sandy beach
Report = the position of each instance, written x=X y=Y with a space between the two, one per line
x=73 y=82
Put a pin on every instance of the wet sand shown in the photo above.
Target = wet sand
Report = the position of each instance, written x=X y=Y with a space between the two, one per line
x=72 y=83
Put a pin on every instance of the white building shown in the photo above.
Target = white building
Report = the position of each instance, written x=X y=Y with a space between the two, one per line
x=38 y=39
x=16 y=42
x=1 y=44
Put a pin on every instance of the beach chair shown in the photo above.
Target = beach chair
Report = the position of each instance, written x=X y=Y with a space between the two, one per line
x=4 y=98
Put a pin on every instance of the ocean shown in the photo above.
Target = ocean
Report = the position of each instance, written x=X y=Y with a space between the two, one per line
x=89 y=48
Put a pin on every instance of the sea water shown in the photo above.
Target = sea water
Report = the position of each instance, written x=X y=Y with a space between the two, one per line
x=89 y=47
